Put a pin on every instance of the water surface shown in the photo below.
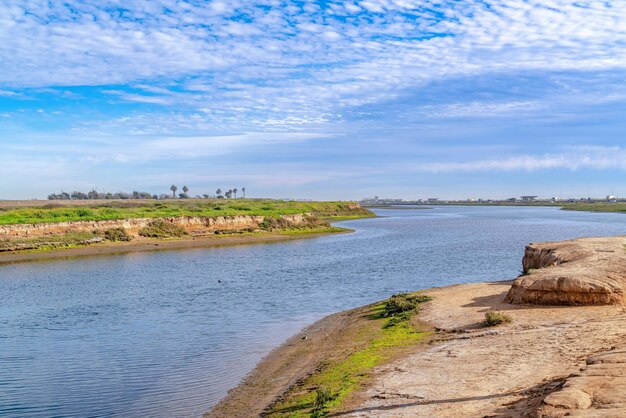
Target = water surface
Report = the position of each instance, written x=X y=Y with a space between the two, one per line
x=156 y=334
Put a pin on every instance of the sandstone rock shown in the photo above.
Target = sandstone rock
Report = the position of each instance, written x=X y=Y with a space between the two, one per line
x=586 y=271
x=599 y=390
x=569 y=399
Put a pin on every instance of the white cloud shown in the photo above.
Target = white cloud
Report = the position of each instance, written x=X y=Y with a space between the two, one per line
x=578 y=158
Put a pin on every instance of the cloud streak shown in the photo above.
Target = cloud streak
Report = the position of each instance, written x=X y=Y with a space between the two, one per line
x=594 y=158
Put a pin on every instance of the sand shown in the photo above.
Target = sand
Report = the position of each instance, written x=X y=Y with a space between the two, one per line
x=464 y=370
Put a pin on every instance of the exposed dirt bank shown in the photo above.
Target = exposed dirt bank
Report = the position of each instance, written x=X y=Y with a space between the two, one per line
x=192 y=224
x=145 y=244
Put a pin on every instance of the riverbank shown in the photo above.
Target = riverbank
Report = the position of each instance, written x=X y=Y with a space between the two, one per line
x=147 y=244
x=547 y=362
x=69 y=229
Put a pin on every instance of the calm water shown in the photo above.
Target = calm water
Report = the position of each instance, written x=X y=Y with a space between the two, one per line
x=155 y=334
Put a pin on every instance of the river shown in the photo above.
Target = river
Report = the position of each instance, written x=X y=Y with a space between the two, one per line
x=168 y=333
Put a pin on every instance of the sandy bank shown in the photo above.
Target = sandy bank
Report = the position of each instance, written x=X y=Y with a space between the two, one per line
x=464 y=369
x=500 y=372
x=145 y=244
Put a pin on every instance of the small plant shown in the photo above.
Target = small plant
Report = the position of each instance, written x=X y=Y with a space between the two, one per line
x=162 y=229
x=402 y=302
x=323 y=396
x=493 y=319
x=117 y=234
x=83 y=213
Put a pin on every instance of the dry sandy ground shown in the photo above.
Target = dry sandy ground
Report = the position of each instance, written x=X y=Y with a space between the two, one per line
x=497 y=372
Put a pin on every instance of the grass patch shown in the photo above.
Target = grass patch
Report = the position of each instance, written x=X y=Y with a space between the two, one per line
x=117 y=234
x=385 y=333
x=162 y=229
x=116 y=210
x=493 y=319
x=596 y=206
x=321 y=230
x=71 y=240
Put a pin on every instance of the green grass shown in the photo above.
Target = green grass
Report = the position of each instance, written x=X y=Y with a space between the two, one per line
x=493 y=319
x=327 y=389
x=596 y=206
x=65 y=212
x=320 y=230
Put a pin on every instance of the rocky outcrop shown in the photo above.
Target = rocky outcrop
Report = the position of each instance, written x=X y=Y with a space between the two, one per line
x=597 y=390
x=586 y=271
x=192 y=224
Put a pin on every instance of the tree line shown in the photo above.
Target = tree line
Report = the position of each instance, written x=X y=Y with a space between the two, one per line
x=95 y=195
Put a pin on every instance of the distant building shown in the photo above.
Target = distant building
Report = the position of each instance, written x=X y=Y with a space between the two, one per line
x=611 y=198
x=433 y=200
x=528 y=198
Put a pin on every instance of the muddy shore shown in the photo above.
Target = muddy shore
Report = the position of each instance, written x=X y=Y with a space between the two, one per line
x=146 y=244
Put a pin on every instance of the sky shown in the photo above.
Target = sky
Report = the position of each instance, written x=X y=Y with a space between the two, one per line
x=316 y=99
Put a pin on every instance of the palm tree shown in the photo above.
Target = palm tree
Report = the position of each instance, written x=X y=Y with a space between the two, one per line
x=218 y=192
x=235 y=192
x=185 y=189
x=173 y=188
x=243 y=190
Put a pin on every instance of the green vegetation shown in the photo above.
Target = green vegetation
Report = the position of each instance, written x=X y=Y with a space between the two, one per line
x=387 y=330
x=596 y=206
x=314 y=230
x=117 y=234
x=159 y=228
x=93 y=211
x=49 y=243
x=493 y=319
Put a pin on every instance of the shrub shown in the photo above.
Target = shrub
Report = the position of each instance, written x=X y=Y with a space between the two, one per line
x=83 y=213
x=323 y=395
x=117 y=234
x=493 y=318
x=162 y=229
x=270 y=223
x=402 y=302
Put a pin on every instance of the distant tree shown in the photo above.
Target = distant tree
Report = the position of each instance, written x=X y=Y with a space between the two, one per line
x=164 y=196
x=93 y=194
x=79 y=196
x=108 y=196
x=228 y=194
x=173 y=188
x=185 y=189
x=183 y=195
x=155 y=197
x=218 y=192
x=206 y=196
x=243 y=190
x=235 y=192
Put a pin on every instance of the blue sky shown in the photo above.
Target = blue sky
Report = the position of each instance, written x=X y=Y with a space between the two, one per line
x=325 y=99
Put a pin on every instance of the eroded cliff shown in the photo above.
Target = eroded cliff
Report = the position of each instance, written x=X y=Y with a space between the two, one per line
x=192 y=224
